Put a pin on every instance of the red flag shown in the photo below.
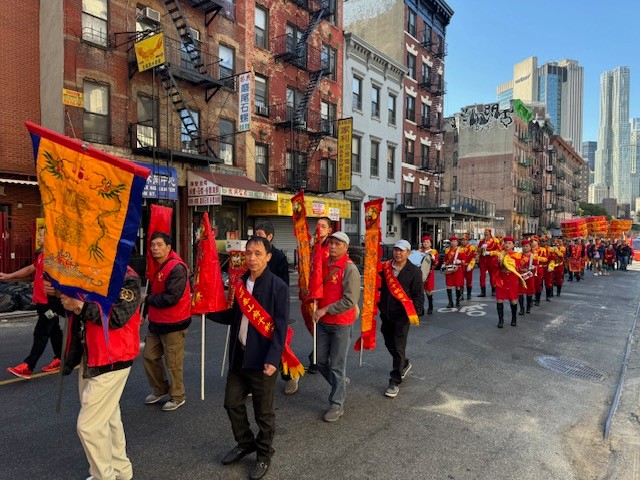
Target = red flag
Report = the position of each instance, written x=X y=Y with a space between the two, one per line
x=160 y=221
x=208 y=291
x=301 y=231
x=315 y=277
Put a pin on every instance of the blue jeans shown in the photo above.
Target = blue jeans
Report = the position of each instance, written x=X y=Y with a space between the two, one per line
x=332 y=346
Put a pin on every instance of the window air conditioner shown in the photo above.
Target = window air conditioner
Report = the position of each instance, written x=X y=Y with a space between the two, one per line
x=151 y=14
x=262 y=110
x=195 y=34
x=549 y=206
x=549 y=188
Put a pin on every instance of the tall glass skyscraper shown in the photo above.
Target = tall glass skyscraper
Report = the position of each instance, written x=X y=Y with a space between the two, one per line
x=589 y=153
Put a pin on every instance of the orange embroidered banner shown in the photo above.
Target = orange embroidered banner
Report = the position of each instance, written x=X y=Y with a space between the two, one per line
x=208 y=289
x=237 y=266
x=371 y=294
x=301 y=231
x=398 y=292
x=263 y=322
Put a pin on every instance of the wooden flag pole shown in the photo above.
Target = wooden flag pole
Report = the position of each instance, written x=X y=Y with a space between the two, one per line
x=63 y=357
x=226 y=348
x=202 y=359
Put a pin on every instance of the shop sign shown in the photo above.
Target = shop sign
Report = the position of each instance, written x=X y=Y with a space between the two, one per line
x=343 y=173
x=239 y=192
x=72 y=98
x=150 y=52
x=334 y=214
x=204 y=200
x=317 y=208
x=244 y=102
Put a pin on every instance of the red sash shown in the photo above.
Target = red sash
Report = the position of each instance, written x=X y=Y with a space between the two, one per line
x=398 y=292
x=263 y=322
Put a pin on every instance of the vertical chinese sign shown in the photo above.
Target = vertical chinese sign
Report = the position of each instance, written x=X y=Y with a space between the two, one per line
x=244 y=102
x=345 y=130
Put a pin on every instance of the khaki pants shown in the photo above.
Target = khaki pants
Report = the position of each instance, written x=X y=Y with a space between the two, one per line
x=171 y=346
x=100 y=426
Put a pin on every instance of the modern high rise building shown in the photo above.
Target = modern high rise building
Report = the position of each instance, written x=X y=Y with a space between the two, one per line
x=635 y=160
x=558 y=85
x=589 y=153
x=612 y=169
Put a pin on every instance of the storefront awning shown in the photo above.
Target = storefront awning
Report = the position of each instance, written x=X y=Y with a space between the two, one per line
x=162 y=183
x=201 y=183
x=316 y=207
x=18 y=182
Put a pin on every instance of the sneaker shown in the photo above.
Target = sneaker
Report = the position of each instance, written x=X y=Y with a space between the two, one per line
x=406 y=370
x=291 y=386
x=53 y=366
x=333 y=414
x=153 y=398
x=21 y=370
x=392 y=391
x=312 y=369
x=172 y=405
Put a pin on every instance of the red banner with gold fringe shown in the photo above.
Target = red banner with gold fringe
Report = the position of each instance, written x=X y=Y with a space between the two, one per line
x=301 y=231
x=208 y=289
x=372 y=281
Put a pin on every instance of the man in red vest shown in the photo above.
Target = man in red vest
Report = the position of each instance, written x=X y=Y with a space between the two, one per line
x=169 y=307
x=401 y=303
x=335 y=317
x=104 y=369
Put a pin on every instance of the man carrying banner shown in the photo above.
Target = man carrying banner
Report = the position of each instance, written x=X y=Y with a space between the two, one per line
x=257 y=344
x=335 y=318
x=169 y=306
x=105 y=364
x=401 y=303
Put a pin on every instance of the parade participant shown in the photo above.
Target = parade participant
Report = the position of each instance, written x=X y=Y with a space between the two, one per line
x=625 y=254
x=598 y=257
x=169 y=308
x=609 y=258
x=549 y=275
x=585 y=255
x=401 y=303
x=541 y=256
x=48 y=325
x=451 y=267
x=105 y=364
x=507 y=280
x=254 y=356
x=487 y=264
x=560 y=252
x=279 y=266
x=324 y=229
x=469 y=253
x=428 y=267
x=335 y=318
x=527 y=266
x=575 y=253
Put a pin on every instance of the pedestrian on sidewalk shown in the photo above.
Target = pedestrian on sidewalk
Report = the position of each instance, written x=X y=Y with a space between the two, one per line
x=335 y=319
x=48 y=307
x=401 y=303
x=105 y=364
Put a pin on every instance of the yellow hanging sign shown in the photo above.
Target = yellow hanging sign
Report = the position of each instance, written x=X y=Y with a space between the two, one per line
x=150 y=52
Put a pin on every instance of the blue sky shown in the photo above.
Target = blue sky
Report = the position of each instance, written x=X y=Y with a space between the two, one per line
x=487 y=37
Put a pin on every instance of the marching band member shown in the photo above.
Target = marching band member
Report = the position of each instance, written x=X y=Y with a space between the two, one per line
x=452 y=271
x=560 y=252
x=507 y=280
x=527 y=267
x=485 y=247
x=469 y=253
x=428 y=266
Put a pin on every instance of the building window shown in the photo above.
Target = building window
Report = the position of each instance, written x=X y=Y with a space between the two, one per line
x=293 y=99
x=146 y=134
x=411 y=65
x=408 y=151
x=411 y=22
x=438 y=166
x=144 y=24
x=96 y=122
x=228 y=9
x=375 y=102
x=187 y=50
x=262 y=96
x=392 y=109
x=227 y=141
x=327 y=175
x=352 y=225
x=296 y=46
x=329 y=56
x=425 y=115
x=422 y=190
x=188 y=136
x=424 y=156
x=426 y=35
x=411 y=109
x=262 y=27
x=226 y=61
x=355 y=154
x=426 y=74
x=454 y=185
x=357 y=93
x=390 y=207
x=455 y=159
x=328 y=122
x=262 y=163
x=375 y=156
x=408 y=193
x=391 y=162
x=95 y=25
x=438 y=120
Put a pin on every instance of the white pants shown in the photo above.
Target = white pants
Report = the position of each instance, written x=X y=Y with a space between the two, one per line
x=100 y=426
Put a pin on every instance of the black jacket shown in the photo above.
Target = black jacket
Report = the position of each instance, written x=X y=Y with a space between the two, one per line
x=410 y=277
x=270 y=292
x=279 y=265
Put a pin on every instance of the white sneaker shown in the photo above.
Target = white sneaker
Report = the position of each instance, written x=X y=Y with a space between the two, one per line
x=153 y=398
x=291 y=386
x=172 y=405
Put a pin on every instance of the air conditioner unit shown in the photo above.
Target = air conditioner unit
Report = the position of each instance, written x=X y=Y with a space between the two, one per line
x=549 y=188
x=262 y=110
x=392 y=229
x=549 y=206
x=150 y=14
x=195 y=34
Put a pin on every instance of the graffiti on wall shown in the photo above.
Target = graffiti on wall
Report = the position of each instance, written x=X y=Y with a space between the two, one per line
x=484 y=117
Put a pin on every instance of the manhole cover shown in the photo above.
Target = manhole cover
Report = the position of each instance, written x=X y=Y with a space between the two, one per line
x=570 y=367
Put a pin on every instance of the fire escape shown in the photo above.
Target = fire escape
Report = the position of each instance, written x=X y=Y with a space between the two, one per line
x=295 y=49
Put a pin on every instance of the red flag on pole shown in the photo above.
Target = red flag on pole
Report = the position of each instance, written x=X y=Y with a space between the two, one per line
x=208 y=291
x=160 y=221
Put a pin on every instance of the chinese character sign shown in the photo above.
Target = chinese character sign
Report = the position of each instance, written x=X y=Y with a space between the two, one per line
x=244 y=102
x=345 y=128
x=150 y=52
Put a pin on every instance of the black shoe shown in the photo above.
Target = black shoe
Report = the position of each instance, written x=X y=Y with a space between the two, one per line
x=259 y=470
x=483 y=292
x=513 y=322
x=235 y=454
x=312 y=369
x=501 y=323
x=450 y=304
x=521 y=312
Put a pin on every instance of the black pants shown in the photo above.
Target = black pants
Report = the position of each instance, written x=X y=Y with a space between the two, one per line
x=395 y=334
x=240 y=382
x=46 y=329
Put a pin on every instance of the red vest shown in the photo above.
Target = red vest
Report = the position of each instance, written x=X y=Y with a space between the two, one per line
x=124 y=343
x=39 y=295
x=180 y=311
x=332 y=292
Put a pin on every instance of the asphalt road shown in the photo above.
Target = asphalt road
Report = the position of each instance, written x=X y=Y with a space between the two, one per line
x=476 y=405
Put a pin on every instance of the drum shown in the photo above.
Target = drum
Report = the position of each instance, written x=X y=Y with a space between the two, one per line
x=447 y=269
x=527 y=275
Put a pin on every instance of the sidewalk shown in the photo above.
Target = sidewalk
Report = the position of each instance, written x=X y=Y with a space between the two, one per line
x=17 y=315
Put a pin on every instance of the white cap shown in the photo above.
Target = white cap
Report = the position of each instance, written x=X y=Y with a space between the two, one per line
x=343 y=237
x=403 y=245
